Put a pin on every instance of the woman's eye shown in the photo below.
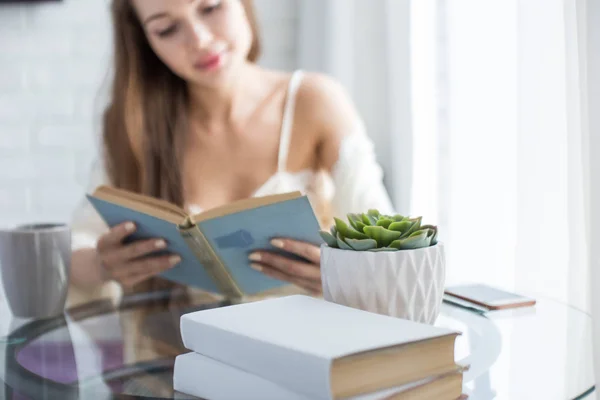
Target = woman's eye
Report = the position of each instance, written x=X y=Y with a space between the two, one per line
x=168 y=31
x=212 y=8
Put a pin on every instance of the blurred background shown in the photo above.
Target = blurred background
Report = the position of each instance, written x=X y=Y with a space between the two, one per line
x=475 y=107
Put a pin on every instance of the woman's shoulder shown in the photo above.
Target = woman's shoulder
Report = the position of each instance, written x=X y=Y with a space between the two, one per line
x=324 y=100
x=318 y=98
x=324 y=113
x=324 y=104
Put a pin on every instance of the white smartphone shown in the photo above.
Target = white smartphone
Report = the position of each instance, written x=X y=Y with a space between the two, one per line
x=489 y=297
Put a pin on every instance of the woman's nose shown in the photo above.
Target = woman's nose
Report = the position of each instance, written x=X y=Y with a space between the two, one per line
x=200 y=36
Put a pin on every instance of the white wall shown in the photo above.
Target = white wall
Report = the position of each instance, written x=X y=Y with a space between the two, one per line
x=53 y=58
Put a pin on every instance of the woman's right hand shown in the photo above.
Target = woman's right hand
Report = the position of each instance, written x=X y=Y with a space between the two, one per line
x=121 y=262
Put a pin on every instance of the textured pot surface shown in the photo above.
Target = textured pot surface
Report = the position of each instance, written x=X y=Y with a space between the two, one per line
x=406 y=284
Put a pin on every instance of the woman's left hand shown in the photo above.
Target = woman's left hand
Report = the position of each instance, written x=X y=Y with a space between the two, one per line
x=304 y=274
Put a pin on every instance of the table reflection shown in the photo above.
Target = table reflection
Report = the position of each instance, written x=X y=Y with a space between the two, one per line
x=97 y=350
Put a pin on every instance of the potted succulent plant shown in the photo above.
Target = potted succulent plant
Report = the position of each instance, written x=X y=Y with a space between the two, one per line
x=386 y=264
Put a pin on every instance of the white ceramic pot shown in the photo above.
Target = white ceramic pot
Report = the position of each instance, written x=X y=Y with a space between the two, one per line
x=406 y=284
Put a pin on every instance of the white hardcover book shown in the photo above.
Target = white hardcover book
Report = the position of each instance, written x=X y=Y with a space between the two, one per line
x=293 y=341
x=206 y=378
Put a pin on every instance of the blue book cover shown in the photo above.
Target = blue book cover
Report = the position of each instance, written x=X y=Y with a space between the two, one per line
x=232 y=234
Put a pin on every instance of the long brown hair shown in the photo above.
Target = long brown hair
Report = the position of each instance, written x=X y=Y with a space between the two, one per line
x=145 y=123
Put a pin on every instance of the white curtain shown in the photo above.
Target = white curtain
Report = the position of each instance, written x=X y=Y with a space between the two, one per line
x=517 y=133
x=589 y=18
x=476 y=110
x=509 y=134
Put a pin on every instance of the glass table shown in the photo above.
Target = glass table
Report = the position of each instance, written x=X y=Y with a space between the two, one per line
x=95 y=351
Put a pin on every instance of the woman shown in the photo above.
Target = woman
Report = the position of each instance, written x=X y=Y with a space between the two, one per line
x=193 y=120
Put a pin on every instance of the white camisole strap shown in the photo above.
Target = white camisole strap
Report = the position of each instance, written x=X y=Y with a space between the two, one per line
x=288 y=120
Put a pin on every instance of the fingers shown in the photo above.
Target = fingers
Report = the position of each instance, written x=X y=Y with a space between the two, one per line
x=304 y=274
x=126 y=264
x=308 y=284
x=308 y=251
x=135 y=272
x=287 y=266
x=115 y=236
x=135 y=250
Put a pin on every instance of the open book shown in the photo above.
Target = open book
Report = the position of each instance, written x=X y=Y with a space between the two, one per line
x=214 y=245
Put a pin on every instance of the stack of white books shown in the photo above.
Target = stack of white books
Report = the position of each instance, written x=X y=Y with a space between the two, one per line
x=301 y=348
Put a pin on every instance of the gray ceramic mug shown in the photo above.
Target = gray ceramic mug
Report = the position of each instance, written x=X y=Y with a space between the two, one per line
x=35 y=261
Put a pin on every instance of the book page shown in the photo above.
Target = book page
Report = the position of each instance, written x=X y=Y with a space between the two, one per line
x=234 y=236
x=242 y=205
x=149 y=205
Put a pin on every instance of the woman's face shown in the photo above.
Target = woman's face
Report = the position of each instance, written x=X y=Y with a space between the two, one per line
x=202 y=41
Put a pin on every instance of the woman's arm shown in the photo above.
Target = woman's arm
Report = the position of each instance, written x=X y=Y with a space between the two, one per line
x=86 y=228
x=84 y=272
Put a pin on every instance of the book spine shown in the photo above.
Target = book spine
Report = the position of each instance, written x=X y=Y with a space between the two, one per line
x=213 y=265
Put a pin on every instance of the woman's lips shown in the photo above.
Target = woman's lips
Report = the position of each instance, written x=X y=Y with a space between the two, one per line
x=210 y=62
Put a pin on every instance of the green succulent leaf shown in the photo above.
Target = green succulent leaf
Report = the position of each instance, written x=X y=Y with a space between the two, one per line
x=416 y=224
x=342 y=244
x=415 y=241
x=410 y=225
x=383 y=236
x=340 y=225
x=419 y=232
x=333 y=231
x=373 y=231
x=362 y=244
x=368 y=220
x=402 y=227
x=360 y=226
x=432 y=233
x=356 y=222
x=373 y=213
x=396 y=244
x=434 y=239
x=329 y=239
x=365 y=219
x=348 y=231
x=352 y=218
x=385 y=222
x=397 y=218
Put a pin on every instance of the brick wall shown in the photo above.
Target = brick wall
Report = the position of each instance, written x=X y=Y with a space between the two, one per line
x=53 y=61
